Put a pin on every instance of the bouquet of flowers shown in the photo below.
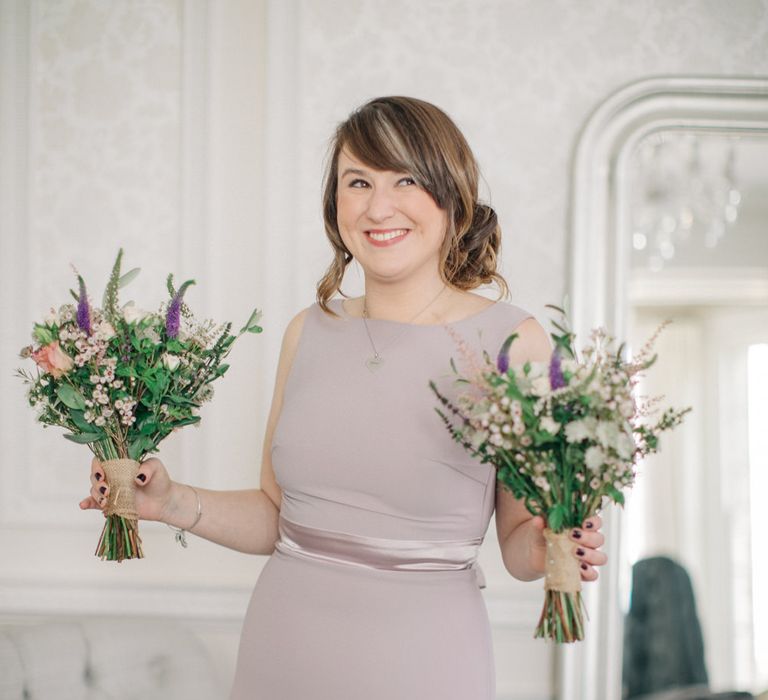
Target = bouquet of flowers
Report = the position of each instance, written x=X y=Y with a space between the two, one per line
x=565 y=437
x=121 y=380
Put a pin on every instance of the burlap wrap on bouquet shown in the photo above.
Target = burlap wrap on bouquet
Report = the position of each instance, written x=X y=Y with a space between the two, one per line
x=121 y=475
x=561 y=568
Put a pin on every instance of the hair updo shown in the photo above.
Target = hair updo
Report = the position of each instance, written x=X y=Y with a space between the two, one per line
x=404 y=134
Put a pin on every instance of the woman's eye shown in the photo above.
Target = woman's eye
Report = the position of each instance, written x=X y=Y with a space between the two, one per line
x=407 y=181
x=358 y=183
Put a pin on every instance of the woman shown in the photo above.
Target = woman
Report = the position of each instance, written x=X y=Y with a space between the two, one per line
x=372 y=514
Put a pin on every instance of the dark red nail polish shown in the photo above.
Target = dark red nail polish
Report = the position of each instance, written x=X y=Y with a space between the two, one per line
x=98 y=476
x=142 y=478
x=579 y=552
x=584 y=566
x=589 y=525
x=103 y=489
x=577 y=534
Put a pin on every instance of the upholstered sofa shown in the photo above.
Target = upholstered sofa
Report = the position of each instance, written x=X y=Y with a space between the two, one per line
x=105 y=659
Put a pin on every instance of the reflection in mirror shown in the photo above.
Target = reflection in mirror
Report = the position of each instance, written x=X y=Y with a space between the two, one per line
x=695 y=577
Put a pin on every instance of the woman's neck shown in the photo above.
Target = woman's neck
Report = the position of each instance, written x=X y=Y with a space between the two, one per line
x=413 y=303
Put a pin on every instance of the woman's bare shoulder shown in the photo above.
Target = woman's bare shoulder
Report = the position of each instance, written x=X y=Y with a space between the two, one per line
x=532 y=343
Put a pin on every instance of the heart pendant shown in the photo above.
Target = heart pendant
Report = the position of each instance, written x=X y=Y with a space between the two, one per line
x=373 y=363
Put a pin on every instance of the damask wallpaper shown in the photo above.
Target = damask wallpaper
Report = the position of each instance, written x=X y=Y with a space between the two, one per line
x=116 y=130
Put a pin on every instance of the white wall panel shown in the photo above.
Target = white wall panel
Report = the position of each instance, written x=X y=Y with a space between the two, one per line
x=192 y=133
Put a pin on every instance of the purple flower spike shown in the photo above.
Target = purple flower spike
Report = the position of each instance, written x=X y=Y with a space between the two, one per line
x=83 y=311
x=556 y=378
x=502 y=359
x=172 y=318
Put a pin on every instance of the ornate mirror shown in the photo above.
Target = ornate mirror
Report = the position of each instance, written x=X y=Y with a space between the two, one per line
x=669 y=220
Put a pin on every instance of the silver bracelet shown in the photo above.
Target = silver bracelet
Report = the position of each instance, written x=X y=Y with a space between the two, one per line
x=181 y=533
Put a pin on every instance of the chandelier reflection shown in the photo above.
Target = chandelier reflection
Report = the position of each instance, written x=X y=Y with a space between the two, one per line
x=684 y=193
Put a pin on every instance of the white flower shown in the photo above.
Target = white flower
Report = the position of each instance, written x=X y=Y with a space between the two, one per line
x=170 y=361
x=132 y=314
x=148 y=332
x=105 y=330
x=549 y=424
x=625 y=445
x=540 y=386
x=538 y=369
x=607 y=433
x=576 y=431
x=594 y=458
x=52 y=318
x=626 y=408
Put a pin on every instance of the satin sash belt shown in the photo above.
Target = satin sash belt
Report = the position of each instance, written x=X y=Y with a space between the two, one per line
x=379 y=553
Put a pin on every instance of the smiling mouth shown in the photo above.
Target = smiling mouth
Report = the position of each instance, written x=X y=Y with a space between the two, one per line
x=387 y=236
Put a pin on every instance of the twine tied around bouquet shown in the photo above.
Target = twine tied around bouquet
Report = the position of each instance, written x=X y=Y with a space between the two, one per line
x=561 y=568
x=120 y=474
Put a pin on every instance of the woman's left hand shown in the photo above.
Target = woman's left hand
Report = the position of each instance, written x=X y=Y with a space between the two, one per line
x=587 y=539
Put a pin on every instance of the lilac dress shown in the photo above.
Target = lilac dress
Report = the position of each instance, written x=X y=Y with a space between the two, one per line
x=373 y=591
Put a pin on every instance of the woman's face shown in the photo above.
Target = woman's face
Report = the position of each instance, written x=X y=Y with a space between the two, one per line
x=392 y=227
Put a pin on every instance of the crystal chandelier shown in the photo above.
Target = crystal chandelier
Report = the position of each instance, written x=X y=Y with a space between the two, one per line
x=683 y=193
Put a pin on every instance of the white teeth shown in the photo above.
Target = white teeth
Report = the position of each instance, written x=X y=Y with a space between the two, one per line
x=388 y=235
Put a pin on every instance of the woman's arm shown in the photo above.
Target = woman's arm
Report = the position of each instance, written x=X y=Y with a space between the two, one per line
x=244 y=520
x=520 y=534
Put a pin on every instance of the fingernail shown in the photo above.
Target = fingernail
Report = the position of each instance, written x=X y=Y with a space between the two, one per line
x=579 y=552
x=142 y=478
x=584 y=567
x=98 y=476
x=103 y=489
x=576 y=534
x=589 y=525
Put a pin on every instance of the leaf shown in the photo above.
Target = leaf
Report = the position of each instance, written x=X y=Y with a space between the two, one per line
x=78 y=418
x=148 y=428
x=128 y=277
x=180 y=400
x=556 y=308
x=255 y=329
x=83 y=438
x=139 y=445
x=556 y=517
x=43 y=334
x=186 y=421
x=251 y=322
x=614 y=494
x=70 y=397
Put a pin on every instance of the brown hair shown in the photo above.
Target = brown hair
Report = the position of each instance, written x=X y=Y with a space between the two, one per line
x=405 y=134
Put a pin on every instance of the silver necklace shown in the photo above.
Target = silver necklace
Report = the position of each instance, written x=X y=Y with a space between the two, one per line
x=376 y=360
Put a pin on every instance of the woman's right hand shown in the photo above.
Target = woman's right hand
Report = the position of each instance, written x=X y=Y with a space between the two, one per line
x=153 y=489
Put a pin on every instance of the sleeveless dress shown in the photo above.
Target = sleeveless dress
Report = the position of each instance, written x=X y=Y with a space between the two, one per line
x=373 y=590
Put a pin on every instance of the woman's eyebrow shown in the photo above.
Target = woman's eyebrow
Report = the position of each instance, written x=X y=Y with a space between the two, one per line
x=353 y=171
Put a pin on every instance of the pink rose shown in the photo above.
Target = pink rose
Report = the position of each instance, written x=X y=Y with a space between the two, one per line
x=51 y=358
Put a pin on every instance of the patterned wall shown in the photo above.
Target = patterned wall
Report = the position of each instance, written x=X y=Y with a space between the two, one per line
x=113 y=132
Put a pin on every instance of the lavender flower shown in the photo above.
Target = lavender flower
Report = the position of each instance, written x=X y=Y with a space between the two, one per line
x=172 y=318
x=502 y=360
x=83 y=311
x=556 y=378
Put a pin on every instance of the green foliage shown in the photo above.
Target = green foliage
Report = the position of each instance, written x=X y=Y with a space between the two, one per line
x=43 y=334
x=109 y=303
x=70 y=397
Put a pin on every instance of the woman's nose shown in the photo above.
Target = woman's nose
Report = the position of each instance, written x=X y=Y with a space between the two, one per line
x=381 y=204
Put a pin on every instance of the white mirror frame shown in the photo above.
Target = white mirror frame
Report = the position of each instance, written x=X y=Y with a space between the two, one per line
x=599 y=264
